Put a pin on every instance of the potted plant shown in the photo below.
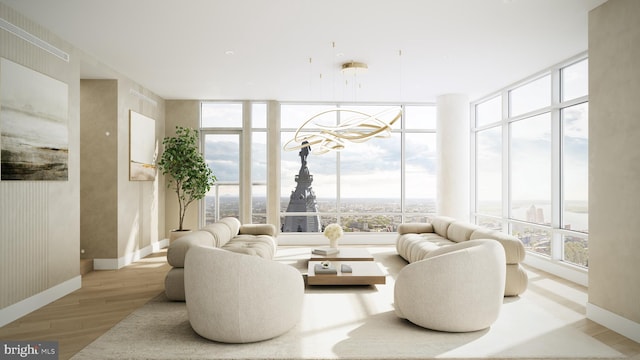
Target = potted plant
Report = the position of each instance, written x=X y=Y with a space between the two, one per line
x=189 y=175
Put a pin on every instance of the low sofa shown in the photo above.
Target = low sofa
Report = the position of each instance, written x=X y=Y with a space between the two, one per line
x=228 y=234
x=417 y=240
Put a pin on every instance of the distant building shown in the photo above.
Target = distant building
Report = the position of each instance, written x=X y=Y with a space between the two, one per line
x=303 y=199
x=535 y=215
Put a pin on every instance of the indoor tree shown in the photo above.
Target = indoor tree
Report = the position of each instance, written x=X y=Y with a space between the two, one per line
x=189 y=175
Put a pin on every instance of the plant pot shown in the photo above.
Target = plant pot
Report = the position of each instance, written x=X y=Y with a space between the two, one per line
x=176 y=234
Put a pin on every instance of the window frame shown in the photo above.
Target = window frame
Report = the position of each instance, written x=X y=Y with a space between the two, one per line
x=506 y=222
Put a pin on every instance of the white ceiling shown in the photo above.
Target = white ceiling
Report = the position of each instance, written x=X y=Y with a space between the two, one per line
x=177 y=49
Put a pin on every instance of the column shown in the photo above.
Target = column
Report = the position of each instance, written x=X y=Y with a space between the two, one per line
x=453 y=139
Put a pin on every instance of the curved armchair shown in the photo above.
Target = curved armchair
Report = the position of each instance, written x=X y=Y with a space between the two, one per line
x=456 y=288
x=235 y=298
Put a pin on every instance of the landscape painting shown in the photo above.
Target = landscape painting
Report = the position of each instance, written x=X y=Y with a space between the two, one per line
x=143 y=147
x=34 y=140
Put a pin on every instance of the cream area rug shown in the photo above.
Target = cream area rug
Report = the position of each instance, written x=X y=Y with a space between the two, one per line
x=358 y=322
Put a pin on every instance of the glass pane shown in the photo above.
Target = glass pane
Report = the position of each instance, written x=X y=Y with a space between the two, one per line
x=259 y=115
x=321 y=168
x=575 y=80
x=489 y=171
x=221 y=115
x=222 y=201
x=532 y=96
x=576 y=250
x=420 y=172
x=370 y=223
x=575 y=167
x=419 y=218
x=489 y=222
x=222 y=154
x=531 y=169
x=370 y=176
x=534 y=239
x=294 y=116
x=419 y=117
x=259 y=204
x=489 y=111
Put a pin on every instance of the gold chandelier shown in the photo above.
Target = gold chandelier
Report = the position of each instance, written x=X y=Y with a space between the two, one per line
x=358 y=128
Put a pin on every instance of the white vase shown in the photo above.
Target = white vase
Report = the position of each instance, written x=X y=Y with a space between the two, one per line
x=333 y=243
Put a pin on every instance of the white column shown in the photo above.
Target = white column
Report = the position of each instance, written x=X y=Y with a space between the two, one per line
x=453 y=139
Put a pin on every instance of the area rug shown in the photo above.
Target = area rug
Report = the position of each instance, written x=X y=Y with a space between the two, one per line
x=356 y=322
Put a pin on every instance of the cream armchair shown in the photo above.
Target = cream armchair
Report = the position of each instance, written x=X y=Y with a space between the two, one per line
x=236 y=298
x=455 y=288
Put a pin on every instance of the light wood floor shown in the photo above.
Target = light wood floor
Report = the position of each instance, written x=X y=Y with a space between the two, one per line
x=107 y=297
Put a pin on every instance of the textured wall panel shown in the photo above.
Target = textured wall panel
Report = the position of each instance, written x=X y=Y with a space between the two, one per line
x=24 y=243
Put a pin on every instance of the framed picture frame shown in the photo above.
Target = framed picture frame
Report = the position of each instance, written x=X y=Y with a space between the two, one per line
x=34 y=130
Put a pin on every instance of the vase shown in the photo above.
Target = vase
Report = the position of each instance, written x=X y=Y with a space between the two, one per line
x=333 y=243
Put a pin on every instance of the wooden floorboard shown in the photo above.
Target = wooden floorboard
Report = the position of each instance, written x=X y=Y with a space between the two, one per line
x=108 y=296
x=105 y=299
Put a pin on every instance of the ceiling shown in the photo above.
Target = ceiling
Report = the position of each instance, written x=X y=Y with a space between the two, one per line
x=292 y=50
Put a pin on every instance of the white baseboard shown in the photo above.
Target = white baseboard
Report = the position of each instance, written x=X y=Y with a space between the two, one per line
x=614 y=322
x=566 y=271
x=15 y=311
x=114 y=264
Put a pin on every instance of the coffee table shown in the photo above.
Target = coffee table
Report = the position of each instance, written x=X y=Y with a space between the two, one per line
x=345 y=254
x=363 y=273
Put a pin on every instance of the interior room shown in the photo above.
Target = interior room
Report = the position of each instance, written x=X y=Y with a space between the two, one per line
x=344 y=146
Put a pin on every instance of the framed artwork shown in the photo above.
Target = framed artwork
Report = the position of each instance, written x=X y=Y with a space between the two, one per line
x=34 y=132
x=143 y=147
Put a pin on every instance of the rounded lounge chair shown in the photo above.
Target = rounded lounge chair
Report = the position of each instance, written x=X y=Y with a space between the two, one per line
x=457 y=288
x=236 y=298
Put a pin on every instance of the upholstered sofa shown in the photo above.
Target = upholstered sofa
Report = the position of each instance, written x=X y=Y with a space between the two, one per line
x=416 y=240
x=228 y=234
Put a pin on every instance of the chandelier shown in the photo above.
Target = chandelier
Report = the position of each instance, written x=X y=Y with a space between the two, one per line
x=358 y=127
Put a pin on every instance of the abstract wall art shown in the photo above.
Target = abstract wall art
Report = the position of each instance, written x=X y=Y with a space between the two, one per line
x=34 y=134
x=143 y=147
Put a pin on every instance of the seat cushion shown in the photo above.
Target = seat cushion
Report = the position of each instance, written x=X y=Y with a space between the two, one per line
x=263 y=246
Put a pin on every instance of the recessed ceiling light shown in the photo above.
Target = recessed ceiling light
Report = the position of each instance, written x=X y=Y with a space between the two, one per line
x=229 y=52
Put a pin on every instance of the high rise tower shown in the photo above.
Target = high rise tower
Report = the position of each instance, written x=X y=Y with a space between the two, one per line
x=303 y=199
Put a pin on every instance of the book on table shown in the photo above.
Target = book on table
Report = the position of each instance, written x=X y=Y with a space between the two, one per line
x=319 y=269
x=325 y=251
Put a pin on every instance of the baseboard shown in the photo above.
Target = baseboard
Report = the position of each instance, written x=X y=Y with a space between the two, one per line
x=613 y=321
x=566 y=271
x=15 y=311
x=114 y=264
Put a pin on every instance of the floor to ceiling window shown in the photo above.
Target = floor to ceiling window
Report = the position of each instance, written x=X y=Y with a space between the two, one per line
x=531 y=162
x=222 y=132
x=367 y=187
